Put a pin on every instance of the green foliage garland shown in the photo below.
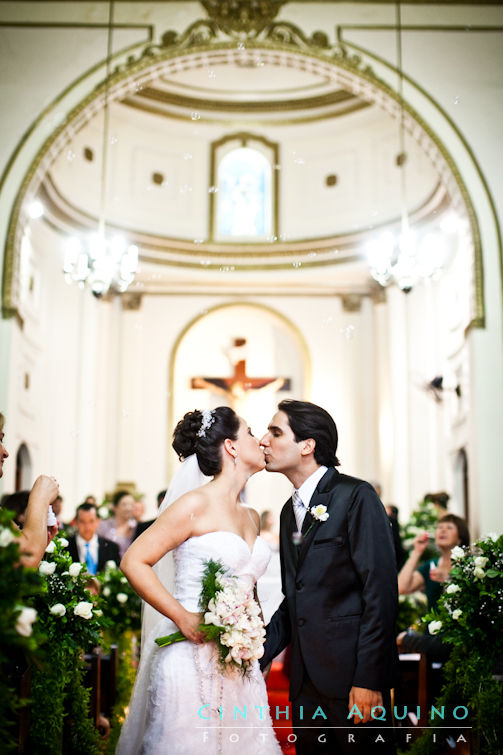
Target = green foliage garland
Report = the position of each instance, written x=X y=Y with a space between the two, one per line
x=72 y=623
x=469 y=615
x=17 y=586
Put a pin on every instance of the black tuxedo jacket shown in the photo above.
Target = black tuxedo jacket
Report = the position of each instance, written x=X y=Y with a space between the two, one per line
x=341 y=593
x=107 y=551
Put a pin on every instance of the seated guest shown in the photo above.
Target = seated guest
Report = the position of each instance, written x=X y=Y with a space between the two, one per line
x=142 y=526
x=429 y=577
x=35 y=531
x=86 y=546
x=121 y=526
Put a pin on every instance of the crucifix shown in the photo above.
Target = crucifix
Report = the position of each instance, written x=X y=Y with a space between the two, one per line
x=235 y=387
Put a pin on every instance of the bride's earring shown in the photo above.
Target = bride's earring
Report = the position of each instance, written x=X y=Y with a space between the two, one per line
x=235 y=460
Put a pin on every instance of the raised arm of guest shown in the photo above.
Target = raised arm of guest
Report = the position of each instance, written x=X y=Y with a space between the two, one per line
x=34 y=535
x=409 y=579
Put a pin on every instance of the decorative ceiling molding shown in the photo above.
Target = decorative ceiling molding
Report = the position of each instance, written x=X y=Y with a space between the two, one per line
x=242 y=18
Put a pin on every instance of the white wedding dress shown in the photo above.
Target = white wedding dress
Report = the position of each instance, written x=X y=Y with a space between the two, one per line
x=182 y=704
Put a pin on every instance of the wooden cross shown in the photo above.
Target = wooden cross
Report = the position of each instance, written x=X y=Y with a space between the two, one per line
x=237 y=385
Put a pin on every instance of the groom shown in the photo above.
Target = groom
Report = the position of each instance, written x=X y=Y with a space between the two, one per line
x=340 y=586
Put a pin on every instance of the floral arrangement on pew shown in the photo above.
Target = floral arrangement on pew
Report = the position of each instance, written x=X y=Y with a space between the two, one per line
x=18 y=640
x=121 y=605
x=231 y=618
x=469 y=616
x=71 y=620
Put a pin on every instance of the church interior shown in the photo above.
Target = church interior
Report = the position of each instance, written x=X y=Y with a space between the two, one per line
x=233 y=203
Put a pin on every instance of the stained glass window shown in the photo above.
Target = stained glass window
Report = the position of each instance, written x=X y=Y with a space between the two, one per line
x=244 y=195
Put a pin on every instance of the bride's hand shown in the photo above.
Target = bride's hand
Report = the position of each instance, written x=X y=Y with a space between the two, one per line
x=189 y=624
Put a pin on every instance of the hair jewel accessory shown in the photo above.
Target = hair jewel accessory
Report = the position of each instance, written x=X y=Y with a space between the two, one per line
x=206 y=422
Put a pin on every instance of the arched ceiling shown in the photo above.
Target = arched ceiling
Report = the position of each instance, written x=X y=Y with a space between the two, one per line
x=338 y=177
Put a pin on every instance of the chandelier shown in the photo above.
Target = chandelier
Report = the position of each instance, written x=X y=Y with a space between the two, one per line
x=404 y=257
x=102 y=262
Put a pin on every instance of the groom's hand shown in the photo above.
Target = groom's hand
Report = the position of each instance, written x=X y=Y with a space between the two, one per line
x=365 y=700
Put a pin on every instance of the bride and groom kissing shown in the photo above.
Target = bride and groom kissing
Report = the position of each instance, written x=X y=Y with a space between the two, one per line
x=338 y=579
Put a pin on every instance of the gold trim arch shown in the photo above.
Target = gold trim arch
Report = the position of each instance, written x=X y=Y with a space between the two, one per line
x=301 y=342
x=198 y=45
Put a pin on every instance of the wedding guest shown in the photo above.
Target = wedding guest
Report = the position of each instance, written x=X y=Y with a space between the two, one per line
x=142 y=526
x=57 y=506
x=400 y=552
x=35 y=534
x=86 y=545
x=430 y=577
x=267 y=530
x=119 y=527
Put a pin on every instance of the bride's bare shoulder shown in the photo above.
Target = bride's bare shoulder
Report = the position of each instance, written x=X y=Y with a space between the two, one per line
x=195 y=501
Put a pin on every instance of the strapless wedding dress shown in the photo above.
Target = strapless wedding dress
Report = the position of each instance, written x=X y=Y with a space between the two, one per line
x=182 y=704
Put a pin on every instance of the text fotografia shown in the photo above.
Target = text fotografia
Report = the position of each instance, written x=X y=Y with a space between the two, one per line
x=352 y=737
x=378 y=713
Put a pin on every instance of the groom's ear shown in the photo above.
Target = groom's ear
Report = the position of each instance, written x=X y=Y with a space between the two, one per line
x=307 y=446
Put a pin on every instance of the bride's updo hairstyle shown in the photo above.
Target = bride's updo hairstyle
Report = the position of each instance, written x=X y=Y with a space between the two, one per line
x=202 y=433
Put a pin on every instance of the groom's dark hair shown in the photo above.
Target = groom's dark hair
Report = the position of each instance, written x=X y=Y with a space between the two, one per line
x=311 y=421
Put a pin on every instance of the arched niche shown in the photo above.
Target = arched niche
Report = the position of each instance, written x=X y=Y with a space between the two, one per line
x=23 y=468
x=206 y=349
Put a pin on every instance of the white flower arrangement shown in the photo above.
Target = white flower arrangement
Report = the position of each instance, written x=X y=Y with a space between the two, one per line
x=51 y=547
x=25 y=620
x=452 y=588
x=434 y=627
x=58 y=609
x=6 y=537
x=122 y=597
x=84 y=610
x=75 y=568
x=457 y=553
x=46 y=568
x=231 y=618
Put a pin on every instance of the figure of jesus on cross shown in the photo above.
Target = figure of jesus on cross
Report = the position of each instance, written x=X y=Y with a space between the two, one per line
x=236 y=387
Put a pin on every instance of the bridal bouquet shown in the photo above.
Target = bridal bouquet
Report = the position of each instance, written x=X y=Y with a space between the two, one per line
x=231 y=619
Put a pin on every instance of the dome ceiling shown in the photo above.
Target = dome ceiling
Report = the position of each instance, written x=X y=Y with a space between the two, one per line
x=336 y=178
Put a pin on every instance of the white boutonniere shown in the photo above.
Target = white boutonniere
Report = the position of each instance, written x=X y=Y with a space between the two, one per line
x=319 y=514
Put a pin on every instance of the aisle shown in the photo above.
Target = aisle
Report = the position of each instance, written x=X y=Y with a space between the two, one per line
x=277 y=690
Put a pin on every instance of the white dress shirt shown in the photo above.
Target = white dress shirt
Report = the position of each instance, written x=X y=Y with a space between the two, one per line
x=81 y=547
x=306 y=491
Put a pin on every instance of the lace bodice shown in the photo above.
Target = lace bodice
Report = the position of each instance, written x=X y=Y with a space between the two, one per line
x=227 y=547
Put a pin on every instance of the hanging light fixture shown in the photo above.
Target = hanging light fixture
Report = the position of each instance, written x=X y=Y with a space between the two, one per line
x=403 y=257
x=102 y=262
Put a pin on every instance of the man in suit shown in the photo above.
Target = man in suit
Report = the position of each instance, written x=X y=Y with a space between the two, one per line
x=86 y=546
x=340 y=585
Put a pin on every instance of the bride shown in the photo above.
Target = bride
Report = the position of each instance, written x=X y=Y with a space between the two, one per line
x=182 y=702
